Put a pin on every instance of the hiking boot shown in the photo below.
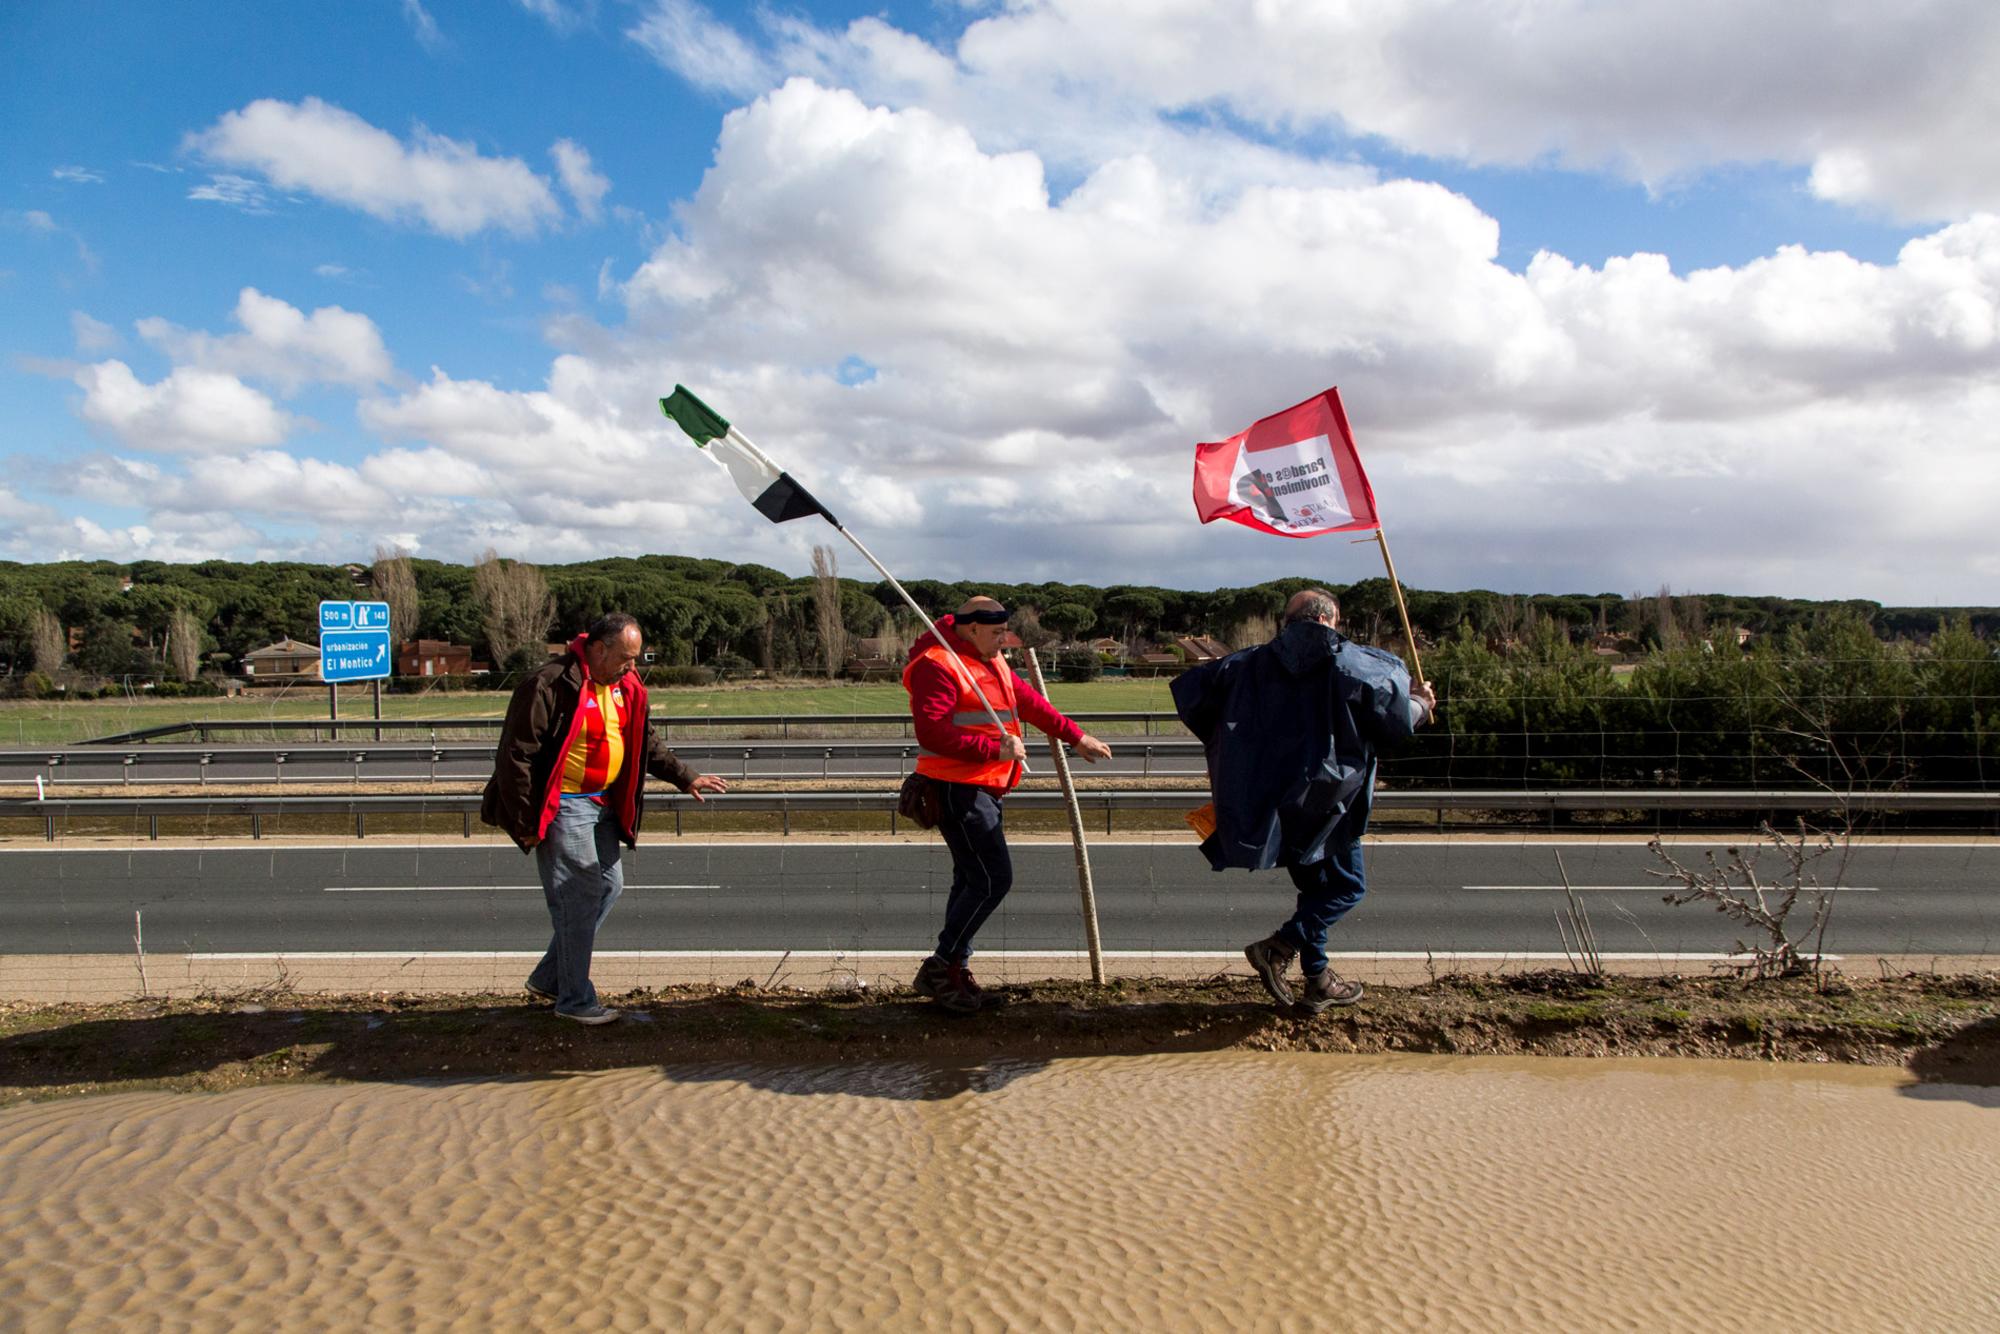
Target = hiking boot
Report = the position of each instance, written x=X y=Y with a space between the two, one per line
x=988 y=1000
x=596 y=1014
x=1271 y=957
x=1325 y=990
x=540 y=997
x=958 y=993
x=932 y=974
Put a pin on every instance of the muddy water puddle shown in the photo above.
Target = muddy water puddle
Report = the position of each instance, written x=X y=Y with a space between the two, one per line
x=1214 y=1191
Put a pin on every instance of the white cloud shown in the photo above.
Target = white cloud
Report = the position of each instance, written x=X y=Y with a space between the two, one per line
x=586 y=185
x=191 y=411
x=282 y=345
x=78 y=175
x=561 y=16
x=688 y=40
x=1079 y=348
x=238 y=192
x=423 y=26
x=92 y=335
x=1889 y=108
x=433 y=181
x=270 y=481
x=32 y=531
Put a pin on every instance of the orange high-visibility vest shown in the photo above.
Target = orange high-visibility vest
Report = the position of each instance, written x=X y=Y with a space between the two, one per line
x=970 y=715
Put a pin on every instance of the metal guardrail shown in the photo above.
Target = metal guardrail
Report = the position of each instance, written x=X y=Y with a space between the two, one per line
x=129 y=763
x=1548 y=801
x=332 y=728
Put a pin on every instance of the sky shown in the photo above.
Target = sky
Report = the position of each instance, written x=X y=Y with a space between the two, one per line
x=1687 y=294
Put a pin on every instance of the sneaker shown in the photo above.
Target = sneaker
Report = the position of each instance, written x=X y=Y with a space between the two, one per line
x=1324 y=990
x=1271 y=957
x=596 y=1014
x=541 y=997
x=932 y=975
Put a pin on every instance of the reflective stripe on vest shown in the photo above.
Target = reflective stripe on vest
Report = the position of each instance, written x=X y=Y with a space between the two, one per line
x=981 y=718
x=968 y=715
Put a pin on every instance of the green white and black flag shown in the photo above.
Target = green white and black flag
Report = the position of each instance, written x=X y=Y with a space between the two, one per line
x=777 y=496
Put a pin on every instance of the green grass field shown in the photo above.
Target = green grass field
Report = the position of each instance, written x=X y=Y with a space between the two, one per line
x=48 y=723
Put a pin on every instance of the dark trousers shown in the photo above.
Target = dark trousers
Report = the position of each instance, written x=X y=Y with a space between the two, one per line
x=981 y=871
x=1328 y=890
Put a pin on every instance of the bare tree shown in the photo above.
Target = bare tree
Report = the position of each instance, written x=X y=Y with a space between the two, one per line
x=183 y=650
x=1252 y=631
x=1693 y=614
x=1027 y=623
x=396 y=584
x=517 y=604
x=1670 y=635
x=48 y=642
x=1732 y=885
x=826 y=609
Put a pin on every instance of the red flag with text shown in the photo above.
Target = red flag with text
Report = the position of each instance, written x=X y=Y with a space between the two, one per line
x=1295 y=473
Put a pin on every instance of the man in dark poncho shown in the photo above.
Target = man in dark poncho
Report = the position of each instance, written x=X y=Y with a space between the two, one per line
x=1291 y=729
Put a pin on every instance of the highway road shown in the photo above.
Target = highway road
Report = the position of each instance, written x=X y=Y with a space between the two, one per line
x=1444 y=896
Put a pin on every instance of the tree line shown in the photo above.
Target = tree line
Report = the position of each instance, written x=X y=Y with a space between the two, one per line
x=163 y=621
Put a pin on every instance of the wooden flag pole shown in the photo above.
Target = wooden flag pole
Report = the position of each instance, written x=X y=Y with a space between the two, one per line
x=1084 y=887
x=1409 y=635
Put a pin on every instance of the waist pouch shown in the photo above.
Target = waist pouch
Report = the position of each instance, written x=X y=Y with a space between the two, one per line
x=919 y=801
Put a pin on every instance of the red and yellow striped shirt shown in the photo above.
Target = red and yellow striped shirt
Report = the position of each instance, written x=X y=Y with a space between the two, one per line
x=598 y=752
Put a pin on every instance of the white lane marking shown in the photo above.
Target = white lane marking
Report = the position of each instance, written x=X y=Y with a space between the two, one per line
x=890 y=955
x=1667 y=884
x=434 y=889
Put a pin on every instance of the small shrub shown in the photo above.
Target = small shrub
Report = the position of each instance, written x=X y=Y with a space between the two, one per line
x=1078 y=665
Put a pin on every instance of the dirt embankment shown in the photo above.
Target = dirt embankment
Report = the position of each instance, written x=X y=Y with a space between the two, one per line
x=1944 y=1028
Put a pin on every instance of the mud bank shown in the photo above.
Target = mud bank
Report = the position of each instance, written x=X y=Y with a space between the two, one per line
x=1940 y=1028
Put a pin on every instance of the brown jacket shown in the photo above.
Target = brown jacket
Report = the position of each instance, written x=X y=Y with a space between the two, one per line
x=526 y=788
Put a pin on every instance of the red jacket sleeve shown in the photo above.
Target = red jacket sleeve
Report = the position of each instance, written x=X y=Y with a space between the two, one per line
x=1038 y=712
x=933 y=699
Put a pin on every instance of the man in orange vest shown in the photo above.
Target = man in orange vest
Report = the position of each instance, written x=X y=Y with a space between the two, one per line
x=974 y=764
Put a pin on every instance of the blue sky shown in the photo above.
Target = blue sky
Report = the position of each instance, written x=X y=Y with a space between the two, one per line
x=1620 y=297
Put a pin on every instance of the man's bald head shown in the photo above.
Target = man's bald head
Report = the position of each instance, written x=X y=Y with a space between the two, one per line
x=1313 y=604
x=982 y=622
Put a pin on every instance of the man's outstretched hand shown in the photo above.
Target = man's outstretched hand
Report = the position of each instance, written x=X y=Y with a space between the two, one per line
x=707 y=783
x=1091 y=749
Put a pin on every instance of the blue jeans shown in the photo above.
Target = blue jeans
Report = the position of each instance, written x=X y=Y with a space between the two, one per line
x=581 y=879
x=1328 y=891
x=981 y=871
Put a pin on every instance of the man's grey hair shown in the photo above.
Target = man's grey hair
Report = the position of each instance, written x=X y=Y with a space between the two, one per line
x=610 y=626
x=1311 y=604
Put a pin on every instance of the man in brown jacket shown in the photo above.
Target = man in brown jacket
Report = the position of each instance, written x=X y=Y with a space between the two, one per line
x=568 y=784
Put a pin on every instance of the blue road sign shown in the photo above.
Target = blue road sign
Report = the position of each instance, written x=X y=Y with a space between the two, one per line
x=353 y=655
x=337 y=616
x=371 y=616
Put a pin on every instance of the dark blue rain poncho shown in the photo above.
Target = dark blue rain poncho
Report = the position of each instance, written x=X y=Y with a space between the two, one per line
x=1291 y=728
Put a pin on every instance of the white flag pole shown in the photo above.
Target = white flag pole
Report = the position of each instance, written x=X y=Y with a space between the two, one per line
x=970 y=679
x=744 y=442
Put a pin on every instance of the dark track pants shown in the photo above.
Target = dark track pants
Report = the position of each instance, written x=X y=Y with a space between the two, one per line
x=981 y=871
